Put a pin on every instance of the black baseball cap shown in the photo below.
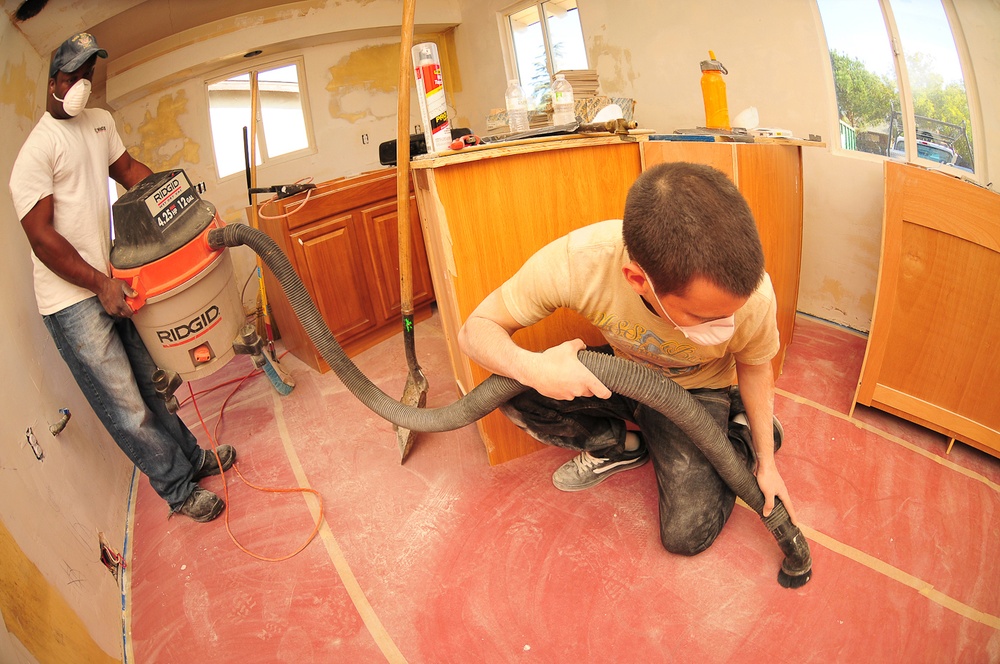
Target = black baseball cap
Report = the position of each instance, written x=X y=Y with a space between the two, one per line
x=74 y=53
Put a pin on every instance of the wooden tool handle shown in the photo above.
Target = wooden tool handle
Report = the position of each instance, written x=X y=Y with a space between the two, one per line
x=403 y=161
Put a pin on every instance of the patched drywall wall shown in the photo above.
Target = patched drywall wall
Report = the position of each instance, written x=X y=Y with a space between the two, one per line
x=35 y=612
x=162 y=142
x=364 y=83
x=614 y=61
x=18 y=90
x=60 y=604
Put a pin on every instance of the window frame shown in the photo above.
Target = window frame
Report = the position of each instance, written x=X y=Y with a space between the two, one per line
x=507 y=38
x=979 y=173
x=265 y=65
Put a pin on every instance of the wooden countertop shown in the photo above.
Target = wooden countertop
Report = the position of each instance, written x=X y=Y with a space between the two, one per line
x=564 y=141
x=535 y=144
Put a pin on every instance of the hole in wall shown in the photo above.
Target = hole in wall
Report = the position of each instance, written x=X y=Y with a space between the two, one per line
x=110 y=558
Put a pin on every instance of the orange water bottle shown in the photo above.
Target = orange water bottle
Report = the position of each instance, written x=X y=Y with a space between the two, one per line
x=713 y=90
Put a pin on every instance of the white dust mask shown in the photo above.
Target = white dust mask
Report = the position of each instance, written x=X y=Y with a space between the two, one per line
x=76 y=98
x=708 y=333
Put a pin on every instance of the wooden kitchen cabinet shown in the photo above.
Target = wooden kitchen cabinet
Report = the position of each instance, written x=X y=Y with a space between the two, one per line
x=932 y=352
x=343 y=245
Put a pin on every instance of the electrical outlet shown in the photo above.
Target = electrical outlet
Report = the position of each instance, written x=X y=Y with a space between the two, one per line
x=364 y=139
x=417 y=129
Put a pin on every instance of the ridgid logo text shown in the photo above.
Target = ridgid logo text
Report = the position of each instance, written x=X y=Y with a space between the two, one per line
x=199 y=323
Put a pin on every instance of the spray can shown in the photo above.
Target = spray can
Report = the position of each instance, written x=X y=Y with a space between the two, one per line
x=713 y=90
x=431 y=97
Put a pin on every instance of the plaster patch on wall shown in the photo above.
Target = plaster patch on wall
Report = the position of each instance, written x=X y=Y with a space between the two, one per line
x=18 y=89
x=618 y=75
x=833 y=293
x=162 y=142
x=37 y=614
x=361 y=81
x=833 y=288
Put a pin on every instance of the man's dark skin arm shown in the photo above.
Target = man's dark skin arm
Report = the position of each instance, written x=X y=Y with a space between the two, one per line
x=61 y=257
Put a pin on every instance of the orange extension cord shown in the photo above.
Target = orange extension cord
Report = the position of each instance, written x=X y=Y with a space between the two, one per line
x=225 y=484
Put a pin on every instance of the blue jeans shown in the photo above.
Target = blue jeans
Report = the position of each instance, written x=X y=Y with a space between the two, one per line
x=114 y=370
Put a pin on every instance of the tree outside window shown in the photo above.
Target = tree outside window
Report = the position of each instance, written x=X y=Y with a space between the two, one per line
x=872 y=103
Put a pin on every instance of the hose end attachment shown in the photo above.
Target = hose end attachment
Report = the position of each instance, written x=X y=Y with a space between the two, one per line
x=217 y=238
x=791 y=581
x=796 y=568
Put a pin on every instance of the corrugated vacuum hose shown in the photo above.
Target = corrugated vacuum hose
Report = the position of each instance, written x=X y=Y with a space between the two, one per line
x=627 y=378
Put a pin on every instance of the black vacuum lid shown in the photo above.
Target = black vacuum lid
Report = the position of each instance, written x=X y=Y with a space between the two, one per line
x=157 y=217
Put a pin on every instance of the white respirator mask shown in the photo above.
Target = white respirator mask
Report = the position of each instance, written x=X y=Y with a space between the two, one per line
x=76 y=98
x=709 y=333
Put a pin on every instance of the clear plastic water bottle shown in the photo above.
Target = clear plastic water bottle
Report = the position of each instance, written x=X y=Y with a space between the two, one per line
x=517 y=107
x=563 y=109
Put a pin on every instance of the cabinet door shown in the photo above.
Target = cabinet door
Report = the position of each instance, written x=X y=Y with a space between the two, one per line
x=379 y=222
x=330 y=257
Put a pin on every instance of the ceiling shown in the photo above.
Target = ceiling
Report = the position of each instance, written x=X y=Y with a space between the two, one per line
x=122 y=26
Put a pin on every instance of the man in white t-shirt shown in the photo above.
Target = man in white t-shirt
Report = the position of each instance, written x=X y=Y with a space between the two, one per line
x=59 y=185
x=709 y=323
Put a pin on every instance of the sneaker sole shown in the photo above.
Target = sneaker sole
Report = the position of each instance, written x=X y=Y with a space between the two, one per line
x=570 y=488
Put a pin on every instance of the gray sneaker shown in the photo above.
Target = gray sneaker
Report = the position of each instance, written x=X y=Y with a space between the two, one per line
x=586 y=470
x=202 y=505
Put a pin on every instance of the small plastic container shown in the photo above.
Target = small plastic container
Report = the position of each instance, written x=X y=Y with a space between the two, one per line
x=713 y=91
x=563 y=108
x=517 y=107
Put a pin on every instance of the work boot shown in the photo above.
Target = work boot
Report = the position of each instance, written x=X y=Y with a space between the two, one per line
x=586 y=470
x=202 y=505
x=209 y=464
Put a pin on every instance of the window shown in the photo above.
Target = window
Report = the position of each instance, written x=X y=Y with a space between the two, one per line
x=281 y=122
x=540 y=48
x=905 y=103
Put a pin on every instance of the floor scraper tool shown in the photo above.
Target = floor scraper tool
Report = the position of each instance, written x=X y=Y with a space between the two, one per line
x=415 y=390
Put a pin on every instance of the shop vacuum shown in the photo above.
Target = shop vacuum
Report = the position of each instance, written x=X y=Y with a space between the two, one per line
x=171 y=246
x=188 y=310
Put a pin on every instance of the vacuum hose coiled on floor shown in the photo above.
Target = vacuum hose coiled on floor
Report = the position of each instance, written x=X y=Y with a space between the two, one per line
x=623 y=377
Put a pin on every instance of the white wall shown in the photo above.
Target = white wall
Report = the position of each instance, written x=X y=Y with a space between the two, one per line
x=53 y=508
x=777 y=59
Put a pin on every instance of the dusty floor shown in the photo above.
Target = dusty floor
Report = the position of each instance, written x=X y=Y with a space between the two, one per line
x=446 y=559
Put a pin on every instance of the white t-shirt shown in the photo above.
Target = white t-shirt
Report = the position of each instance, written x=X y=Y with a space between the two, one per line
x=69 y=160
x=582 y=271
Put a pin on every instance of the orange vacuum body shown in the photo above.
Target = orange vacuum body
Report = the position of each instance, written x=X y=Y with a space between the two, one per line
x=188 y=309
